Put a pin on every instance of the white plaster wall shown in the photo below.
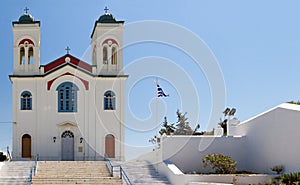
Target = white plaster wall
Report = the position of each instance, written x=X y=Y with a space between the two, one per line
x=186 y=152
x=189 y=179
x=24 y=121
x=175 y=177
x=103 y=32
x=273 y=139
x=269 y=139
x=184 y=179
x=32 y=32
x=90 y=121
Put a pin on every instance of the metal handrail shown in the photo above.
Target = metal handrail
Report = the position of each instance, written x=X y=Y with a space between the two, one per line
x=110 y=166
x=124 y=176
x=29 y=177
x=36 y=159
x=33 y=168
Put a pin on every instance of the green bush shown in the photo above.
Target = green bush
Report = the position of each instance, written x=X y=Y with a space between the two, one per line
x=278 y=169
x=291 y=178
x=222 y=164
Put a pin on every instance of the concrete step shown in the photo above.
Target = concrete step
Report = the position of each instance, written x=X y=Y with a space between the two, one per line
x=10 y=180
x=15 y=172
x=73 y=172
x=141 y=172
x=77 y=180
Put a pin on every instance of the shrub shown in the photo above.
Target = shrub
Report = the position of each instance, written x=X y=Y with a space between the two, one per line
x=291 y=178
x=222 y=164
x=277 y=169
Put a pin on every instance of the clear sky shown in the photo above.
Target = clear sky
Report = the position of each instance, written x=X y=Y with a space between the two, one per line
x=255 y=43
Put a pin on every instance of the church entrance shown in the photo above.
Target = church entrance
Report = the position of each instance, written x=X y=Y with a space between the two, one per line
x=67 y=146
x=110 y=146
x=26 y=145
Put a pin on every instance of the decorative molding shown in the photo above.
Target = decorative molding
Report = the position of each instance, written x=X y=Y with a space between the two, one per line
x=85 y=82
x=26 y=40
x=110 y=42
x=67 y=59
x=67 y=123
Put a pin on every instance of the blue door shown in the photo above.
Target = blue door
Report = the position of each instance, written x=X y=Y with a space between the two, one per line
x=67 y=144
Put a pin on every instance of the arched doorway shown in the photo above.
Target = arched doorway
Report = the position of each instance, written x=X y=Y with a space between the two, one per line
x=67 y=146
x=26 y=145
x=110 y=146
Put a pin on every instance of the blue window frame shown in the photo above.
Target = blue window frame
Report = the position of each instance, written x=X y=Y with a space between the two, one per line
x=109 y=100
x=26 y=100
x=67 y=97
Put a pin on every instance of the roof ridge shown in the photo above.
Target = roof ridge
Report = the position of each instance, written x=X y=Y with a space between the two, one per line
x=67 y=59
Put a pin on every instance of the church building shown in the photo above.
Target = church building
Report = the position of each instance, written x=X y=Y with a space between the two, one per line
x=68 y=109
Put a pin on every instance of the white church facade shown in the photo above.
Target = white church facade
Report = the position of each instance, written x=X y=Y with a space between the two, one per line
x=68 y=109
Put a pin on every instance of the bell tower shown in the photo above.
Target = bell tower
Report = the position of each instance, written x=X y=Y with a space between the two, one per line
x=107 y=44
x=26 y=44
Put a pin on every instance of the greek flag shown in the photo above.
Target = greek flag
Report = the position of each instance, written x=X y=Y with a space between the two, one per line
x=160 y=92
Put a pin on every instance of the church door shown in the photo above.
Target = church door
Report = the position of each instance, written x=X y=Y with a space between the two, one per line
x=67 y=144
x=110 y=146
x=26 y=145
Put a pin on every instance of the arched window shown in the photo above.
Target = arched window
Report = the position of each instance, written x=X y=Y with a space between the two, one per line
x=30 y=55
x=67 y=97
x=105 y=55
x=114 y=56
x=26 y=145
x=109 y=100
x=22 y=55
x=26 y=100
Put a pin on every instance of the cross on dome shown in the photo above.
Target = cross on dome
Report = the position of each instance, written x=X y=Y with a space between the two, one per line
x=106 y=9
x=26 y=10
x=68 y=49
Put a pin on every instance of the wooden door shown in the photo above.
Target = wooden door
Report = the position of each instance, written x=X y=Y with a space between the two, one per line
x=110 y=146
x=26 y=146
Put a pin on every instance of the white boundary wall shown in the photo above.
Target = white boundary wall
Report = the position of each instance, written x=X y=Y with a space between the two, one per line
x=272 y=138
x=260 y=143
x=214 y=179
x=186 y=152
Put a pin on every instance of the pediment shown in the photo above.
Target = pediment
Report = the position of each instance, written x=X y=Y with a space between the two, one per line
x=65 y=124
x=67 y=60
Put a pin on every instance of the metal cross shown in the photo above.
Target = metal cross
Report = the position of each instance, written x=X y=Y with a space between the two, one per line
x=26 y=9
x=67 y=49
x=106 y=9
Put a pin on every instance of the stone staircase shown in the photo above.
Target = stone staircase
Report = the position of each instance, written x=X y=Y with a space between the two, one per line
x=74 y=172
x=15 y=173
x=143 y=172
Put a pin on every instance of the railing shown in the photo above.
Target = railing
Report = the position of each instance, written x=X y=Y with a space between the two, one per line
x=33 y=169
x=122 y=172
x=124 y=176
x=36 y=159
x=29 y=177
x=110 y=166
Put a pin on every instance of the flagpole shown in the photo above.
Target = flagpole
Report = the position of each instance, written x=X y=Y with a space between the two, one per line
x=156 y=122
x=156 y=110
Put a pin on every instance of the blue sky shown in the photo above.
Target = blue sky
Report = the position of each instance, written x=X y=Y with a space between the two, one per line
x=256 y=44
